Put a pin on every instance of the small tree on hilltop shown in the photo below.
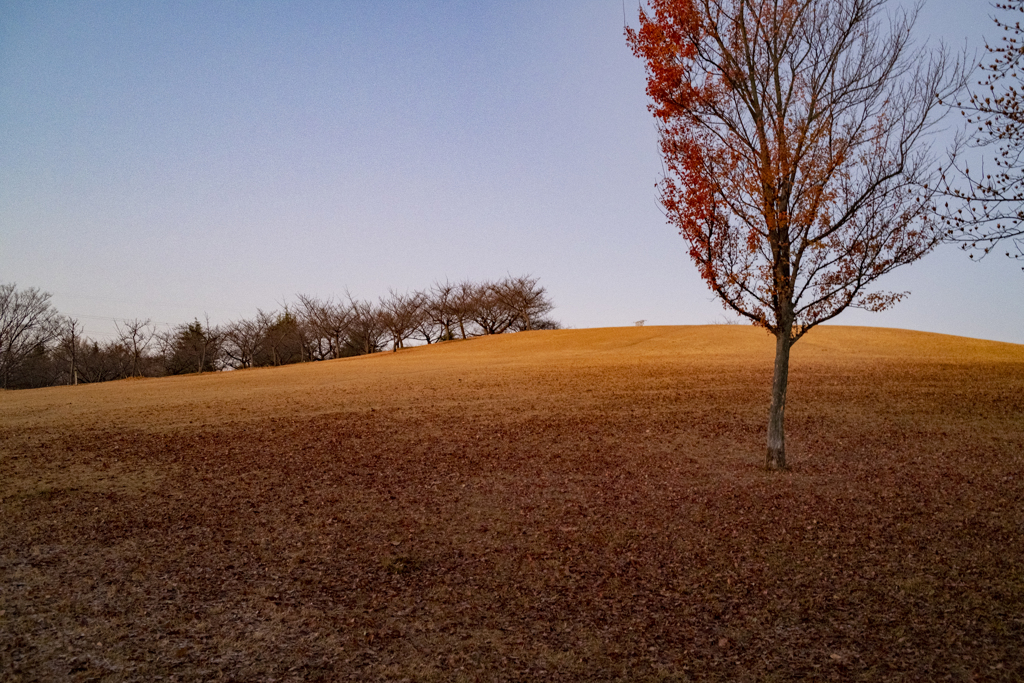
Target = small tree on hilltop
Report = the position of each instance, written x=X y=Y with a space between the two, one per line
x=792 y=133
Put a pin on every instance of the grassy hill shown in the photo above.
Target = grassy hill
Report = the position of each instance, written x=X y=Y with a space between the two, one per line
x=564 y=505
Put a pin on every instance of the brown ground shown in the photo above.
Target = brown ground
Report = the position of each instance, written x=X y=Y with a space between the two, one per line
x=569 y=505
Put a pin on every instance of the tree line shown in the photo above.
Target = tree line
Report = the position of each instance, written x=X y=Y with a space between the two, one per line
x=40 y=347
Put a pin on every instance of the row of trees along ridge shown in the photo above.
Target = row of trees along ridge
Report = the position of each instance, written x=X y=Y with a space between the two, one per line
x=40 y=347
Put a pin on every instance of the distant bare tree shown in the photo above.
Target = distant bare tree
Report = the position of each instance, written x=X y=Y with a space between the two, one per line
x=243 y=341
x=490 y=311
x=136 y=336
x=338 y=318
x=96 y=362
x=401 y=314
x=68 y=342
x=465 y=300
x=525 y=300
x=427 y=329
x=442 y=308
x=40 y=369
x=367 y=331
x=28 y=324
x=75 y=359
x=328 y=325
x=546 y=324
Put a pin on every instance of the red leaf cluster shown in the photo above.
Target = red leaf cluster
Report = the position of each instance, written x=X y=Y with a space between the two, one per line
x=792 y=134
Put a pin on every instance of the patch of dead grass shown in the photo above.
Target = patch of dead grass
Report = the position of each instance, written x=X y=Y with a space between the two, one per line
x=573 y=505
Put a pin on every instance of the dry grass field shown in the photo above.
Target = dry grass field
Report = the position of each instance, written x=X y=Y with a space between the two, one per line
x=567 y=505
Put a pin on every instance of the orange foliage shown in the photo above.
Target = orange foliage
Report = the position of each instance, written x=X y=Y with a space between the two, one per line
x=792 y=137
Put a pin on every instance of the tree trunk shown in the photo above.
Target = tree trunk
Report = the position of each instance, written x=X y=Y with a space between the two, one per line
x=777 y=412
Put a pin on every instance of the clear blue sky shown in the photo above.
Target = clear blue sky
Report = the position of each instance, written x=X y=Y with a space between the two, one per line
x=174 y=159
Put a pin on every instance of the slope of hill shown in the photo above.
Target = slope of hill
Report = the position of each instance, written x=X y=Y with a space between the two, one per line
x=538 y=366
x=575 y=504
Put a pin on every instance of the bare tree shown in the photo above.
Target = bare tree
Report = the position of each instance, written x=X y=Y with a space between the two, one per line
x=490 y=311
x=526 y=300
x=366 y=331
x=243 y=342
x=28 y=324
x=988 y=203
x=136 y=336
x=794 y=135
x=464 y=301
x=427 y=328
x=328 y=324
x=79 y=360
x=69 y=341
x=442 y=308
x=95 y=362
x=400 y=314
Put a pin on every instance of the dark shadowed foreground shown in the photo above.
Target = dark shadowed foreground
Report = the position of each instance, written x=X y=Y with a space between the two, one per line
x=570 y=505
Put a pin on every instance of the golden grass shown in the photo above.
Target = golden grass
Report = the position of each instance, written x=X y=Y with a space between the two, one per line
x=576 y=504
